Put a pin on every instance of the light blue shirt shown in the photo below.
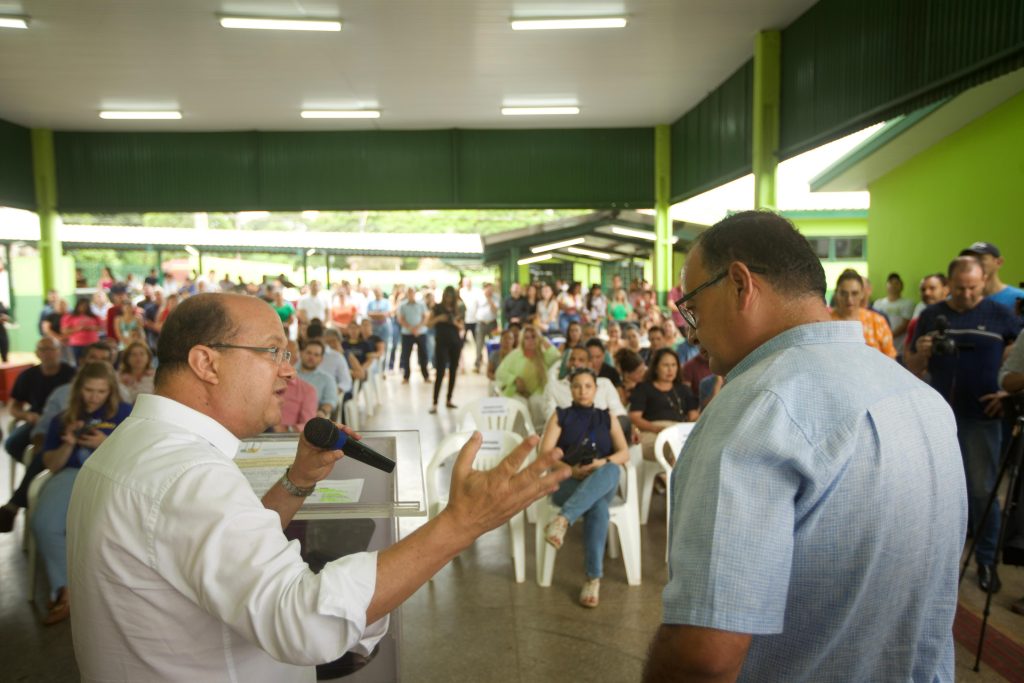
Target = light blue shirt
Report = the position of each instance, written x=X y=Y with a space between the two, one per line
x=335 y=365
x=413 y=314
x=326 y=390
x=820 y=505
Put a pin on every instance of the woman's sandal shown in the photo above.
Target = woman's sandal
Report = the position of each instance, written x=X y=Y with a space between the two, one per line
x=590 y=594
x=554 y=532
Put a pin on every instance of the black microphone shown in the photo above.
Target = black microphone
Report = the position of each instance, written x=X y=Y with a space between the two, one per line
x=323 y=433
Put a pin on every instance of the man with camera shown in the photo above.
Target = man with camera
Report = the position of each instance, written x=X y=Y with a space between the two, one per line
x=961 y=342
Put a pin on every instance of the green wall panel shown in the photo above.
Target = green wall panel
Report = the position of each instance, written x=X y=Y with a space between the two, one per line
x=599 y=168
x=17 y=188
x=712 y=143
x=354 y=170
x=964 y=189
x=112 y=172
x=846 y=65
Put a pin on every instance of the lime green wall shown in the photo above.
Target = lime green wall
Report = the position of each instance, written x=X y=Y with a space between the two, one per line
x=965 y=188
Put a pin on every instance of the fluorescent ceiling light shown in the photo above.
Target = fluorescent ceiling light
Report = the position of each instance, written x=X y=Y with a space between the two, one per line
x=557 y=245
x=13 y=22
x=142 y=115
x=539 y=111
x=281 y=24
x=639 y=234
x=341 y=114
x=534 y=259
x=604 y=256
x=555 y=24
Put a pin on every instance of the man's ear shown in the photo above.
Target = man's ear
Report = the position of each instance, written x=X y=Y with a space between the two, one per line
x=205 y=364
x=741 y=281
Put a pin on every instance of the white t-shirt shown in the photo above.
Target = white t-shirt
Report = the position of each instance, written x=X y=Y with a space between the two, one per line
x=471 y=299
x=315 y=306
x=898 y=312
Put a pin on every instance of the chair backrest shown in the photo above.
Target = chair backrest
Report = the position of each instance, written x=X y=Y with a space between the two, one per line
x=673 y=438
x=496 y=445
x=497 y=413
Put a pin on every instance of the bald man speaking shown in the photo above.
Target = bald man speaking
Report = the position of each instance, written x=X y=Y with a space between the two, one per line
x=178 y=570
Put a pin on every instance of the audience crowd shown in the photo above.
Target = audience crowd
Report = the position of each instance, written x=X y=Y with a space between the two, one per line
x=595 y=373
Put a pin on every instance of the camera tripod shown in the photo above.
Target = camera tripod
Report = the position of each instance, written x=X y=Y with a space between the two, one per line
x=1010 y=470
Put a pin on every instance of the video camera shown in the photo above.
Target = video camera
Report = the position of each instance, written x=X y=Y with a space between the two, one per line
x=942 y=343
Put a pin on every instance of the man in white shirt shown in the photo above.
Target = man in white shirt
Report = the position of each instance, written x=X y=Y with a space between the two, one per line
x=487 y=309
x=315 y=304
x=181 y=573
x=557 y=393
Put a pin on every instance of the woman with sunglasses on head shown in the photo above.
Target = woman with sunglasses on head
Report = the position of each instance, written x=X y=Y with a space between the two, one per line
x=661 y=400
x=94 y=410
x=594 y=445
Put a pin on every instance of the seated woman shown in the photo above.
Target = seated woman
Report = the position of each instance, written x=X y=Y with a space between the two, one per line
x=94 y=409
x=631 y=370
x=850 y=306
x=661 y=400
x=573 y=338
x=509 y=338
x=524 y=372
x=136 y=375
x=583 y=431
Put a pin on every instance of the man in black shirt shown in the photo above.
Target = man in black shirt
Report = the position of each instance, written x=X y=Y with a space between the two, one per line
x=516 y=308
x=31 y=390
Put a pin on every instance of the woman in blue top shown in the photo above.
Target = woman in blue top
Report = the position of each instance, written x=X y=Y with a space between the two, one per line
x=94 y=410
x=581 y=430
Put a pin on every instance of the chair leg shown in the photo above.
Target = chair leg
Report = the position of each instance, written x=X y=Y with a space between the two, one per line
x=613 y=541
x=517 y=533
x=33 y=557
x=631 y=551
x=545 y=553
x=650 y=473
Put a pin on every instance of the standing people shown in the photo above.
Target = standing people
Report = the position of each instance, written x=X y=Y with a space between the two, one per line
x=314 y=305
x=516 y=308
x=898 y=310
x=378 y=312
x=5 y=343
x=826 y=462
x=966 y=374
x=547 y=309
x=412 y=320
x=991 y=261
x=850 y=306
x=486 y=321
x=446 y=319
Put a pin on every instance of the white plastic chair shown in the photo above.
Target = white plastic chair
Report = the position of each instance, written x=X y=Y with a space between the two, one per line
x=11 y=426
x=350 y=411
x=34 y=489
x=496 y=445
x=497 y=413
x=623 y=529
x=369 y=390
x=673 y=438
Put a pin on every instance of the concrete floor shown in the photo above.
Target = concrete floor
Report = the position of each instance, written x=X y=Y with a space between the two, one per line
x=472 y=622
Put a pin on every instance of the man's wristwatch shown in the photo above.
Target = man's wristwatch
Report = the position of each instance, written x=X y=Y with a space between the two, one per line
x=300 y=491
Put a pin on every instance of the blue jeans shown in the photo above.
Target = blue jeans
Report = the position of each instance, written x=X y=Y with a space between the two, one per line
x=18 y=440
x=590 y=499
x=50 y=526
x=565 y=318
x=979 y=446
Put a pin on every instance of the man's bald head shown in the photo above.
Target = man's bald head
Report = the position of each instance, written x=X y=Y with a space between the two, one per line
x=201 y=319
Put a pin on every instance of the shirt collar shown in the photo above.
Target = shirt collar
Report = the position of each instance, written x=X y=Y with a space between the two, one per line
x=848 y=332
x=163 y=409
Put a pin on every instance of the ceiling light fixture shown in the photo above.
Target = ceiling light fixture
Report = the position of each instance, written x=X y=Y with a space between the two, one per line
x=534 y=259
x=540 y=111
x=557 y=245
x=281 y=24
x=341 y=114
x=556 y=24
x=13 y=22
x=140 y=115
x=638 y=234
x=604 y=256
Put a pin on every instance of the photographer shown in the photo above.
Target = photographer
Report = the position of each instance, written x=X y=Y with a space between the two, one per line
x=961 y=342
x=594 y=446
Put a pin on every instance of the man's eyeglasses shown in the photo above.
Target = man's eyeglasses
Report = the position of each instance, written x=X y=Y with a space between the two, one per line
x=280 y=355
x=687 y=314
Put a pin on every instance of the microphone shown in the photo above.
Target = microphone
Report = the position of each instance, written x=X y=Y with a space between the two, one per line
x=323 y=433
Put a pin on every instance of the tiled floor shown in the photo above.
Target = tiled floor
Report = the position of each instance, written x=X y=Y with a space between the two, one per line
x=472 y=622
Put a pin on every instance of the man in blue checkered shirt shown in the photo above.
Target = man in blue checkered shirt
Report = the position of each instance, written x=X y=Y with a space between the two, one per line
x=819 y=506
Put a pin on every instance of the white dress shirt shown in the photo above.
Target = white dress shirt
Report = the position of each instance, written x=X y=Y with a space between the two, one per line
x=180 y=573
x=315 y=306
x=558 y=394
x=335 y=365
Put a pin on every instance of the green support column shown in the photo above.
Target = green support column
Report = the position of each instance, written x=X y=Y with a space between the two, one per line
x=767 y=59
x=44 y=171
x=305 y=267
x=199 y=259
x=662 y=218
x=327 y=275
